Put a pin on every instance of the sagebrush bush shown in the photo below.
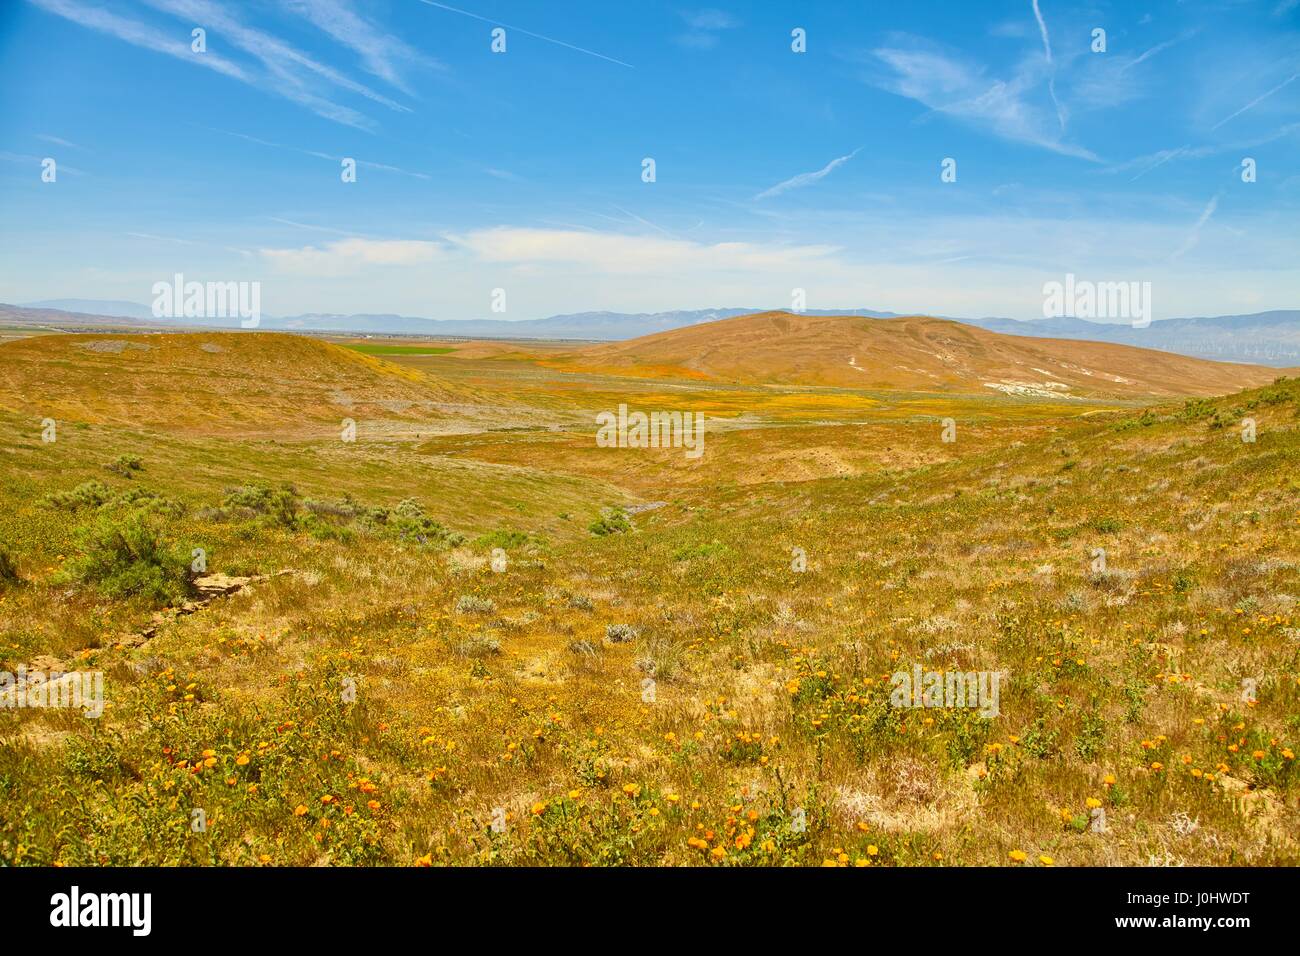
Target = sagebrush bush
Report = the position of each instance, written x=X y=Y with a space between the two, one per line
x=88 y=494
x=97 y=495
x=506 y=538
x=126 y=556
x=125 y=465
x=8 y=570
x=611 y=521
x=408 y=522
x=620 y=633
x=469 y=604
x=278 y=506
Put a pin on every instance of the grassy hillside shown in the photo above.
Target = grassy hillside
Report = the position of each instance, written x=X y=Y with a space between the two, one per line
x=217 y=383
x=384 y=695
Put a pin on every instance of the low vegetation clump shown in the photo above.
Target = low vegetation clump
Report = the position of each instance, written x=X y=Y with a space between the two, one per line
x=125 y=555
x=611 y=521
x=341 y=520
x=125 y=465
x=471 y=604
x=8 y=568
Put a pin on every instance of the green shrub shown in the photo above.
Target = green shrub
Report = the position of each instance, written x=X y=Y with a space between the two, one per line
x=408 y=522
x=88 y=494
x=506 y=538
x=97 y=495
x=279 y=506
x=126 y=556
x=611 y=521
x=125 y=465
x=8 y=570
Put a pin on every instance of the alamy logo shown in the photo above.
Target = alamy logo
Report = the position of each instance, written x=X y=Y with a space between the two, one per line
x=1082 y=299
x=656 y=430
x=74 y=908
x=208 y=300
x=933 y=689
x=84 y=689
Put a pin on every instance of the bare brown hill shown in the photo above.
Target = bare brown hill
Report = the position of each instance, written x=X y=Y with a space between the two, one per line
x=913 y=353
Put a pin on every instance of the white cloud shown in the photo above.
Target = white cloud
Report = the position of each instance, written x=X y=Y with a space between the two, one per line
x=710 y=20
x=286 y=69
x=1194 y=236
x=632 y=255
x=141 y=35
x=807 y=179
x=290 y=68
x=379 y=51
x=961 y=91
x=705 y=26
x=349 y=256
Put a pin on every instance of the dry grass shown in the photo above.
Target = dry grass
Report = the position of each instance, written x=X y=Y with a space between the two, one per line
x=400 y=701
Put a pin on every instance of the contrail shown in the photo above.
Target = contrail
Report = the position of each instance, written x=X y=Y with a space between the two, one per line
x=1047 y=49
x=536 y=36
x=805 y=179
x=1256 y=101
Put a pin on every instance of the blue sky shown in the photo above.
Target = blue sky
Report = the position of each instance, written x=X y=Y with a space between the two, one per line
x=775 y=170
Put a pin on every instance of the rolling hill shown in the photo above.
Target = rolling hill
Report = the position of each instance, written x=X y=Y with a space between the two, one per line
x=1262 y=338
x=913 y=353
x=217 y=383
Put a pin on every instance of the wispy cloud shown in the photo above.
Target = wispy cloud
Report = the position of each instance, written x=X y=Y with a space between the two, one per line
x=807 y=179
x=58 y=141
x=1194 y=236
x=141 y=35
x=286 y=64
x=380 y=52
x=705 y=27
x=1047 y=51
x=961 y=91
x=315 y=228
x=352 y=255
x=35 y=162
x=619 y=254
x=1144 y=164
x=153 y=238
x=644 y=222
x=285 y=67
x=364 y=163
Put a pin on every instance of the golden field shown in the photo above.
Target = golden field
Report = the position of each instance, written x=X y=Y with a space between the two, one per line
x=646 y=679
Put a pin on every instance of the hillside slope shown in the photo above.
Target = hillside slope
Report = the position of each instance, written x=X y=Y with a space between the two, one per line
x=916 y=353
x=215 y=383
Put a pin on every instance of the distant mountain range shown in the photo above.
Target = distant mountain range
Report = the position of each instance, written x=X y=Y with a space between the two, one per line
x=599 y=326
x=1263 y=338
